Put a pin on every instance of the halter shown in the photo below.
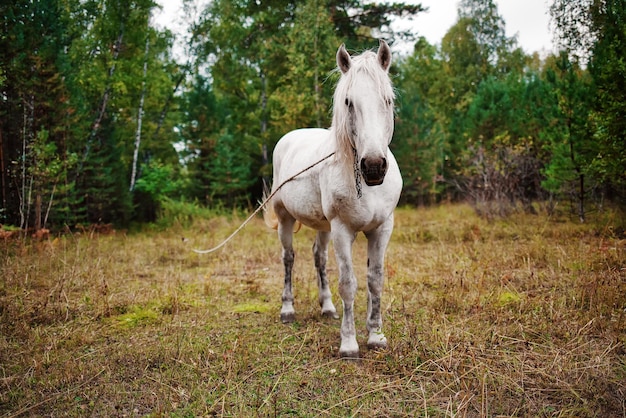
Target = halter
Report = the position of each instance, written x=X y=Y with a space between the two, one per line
x=357 y=175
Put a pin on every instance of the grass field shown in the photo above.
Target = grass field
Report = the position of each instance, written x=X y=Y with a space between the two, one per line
x=518 y=317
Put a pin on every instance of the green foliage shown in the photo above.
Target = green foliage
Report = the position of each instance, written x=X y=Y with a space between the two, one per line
x=418 y=139
x=231 y=170
x=180 y=212
x=306 y=93
x=74 y=74
x=595 y=32
x=479 y=119
x=607 y=67
x=160 y=181
x=74 y=92
x=103 y=181
x=205 y=117
x=567 y=142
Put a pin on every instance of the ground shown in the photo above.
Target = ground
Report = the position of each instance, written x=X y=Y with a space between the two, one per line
x=517 y=317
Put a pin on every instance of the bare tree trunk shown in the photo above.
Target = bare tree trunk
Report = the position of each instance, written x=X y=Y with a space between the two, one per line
x=580 y=174
x=2 y=173
x=28 y=200
x=190 y=9
x=581 y=196
x=318 y=116
x=37 y=222
x=133 y=175
x=95 y=127
x=45 y=219
x=264 y=118
x=27 y=138
x=166 y=105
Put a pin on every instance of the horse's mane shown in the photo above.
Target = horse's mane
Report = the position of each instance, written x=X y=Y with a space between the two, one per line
x=364 y=65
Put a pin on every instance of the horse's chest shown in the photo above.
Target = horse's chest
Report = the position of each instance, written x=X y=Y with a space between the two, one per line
x=360 y=213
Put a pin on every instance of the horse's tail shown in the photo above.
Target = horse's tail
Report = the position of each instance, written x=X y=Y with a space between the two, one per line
x=269 y=216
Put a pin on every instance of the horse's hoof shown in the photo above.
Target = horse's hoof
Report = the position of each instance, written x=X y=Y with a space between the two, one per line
x=349 y=355
x=377 y=345
x=349 y=349
x=288 y=317
x=377 y=342
x=330 y=314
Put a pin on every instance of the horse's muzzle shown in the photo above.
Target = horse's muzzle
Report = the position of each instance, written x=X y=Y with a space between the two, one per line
x=373 y=170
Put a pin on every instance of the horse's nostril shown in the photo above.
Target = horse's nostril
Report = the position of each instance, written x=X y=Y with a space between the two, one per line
x=373 y=170
x=374 y=164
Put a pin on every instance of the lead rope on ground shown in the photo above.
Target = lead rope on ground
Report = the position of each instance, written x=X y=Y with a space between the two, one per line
x=261 y=206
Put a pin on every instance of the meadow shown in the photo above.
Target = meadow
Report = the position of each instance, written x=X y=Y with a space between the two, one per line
x=523 y=316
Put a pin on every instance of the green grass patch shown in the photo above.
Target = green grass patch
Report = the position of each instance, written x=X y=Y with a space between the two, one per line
x=136 y=316
x=252 y=307
x=507 y=297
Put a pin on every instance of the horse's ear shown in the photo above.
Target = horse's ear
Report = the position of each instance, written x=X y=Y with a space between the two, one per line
x=344 y=62
x=384 y=55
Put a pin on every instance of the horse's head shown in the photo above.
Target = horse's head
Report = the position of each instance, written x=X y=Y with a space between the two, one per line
x=363 y=111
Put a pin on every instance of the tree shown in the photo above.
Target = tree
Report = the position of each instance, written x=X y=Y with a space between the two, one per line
x=418 y=138
x=357 y=22
x=568 y=141
x=488 y=31
x=607 y=68
x=232 y=170
x=504 y=131
x=474 y=49
x=34 y=110
x=205 y=118
x=595 y=31
x=305 y=97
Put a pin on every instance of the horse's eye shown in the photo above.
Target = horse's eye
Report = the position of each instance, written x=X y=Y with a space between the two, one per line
x=347 y=102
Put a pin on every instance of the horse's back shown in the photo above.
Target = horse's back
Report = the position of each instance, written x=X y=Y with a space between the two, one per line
x=299 y=148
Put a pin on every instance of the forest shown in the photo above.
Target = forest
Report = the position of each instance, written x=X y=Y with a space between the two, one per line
x=102 y=121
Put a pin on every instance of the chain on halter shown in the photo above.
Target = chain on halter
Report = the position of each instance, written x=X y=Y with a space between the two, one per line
x=357 y=175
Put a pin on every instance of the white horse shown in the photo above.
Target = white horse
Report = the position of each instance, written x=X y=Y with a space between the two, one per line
x=355 y=190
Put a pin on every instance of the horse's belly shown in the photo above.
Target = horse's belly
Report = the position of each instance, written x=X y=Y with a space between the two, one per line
x=306 y=208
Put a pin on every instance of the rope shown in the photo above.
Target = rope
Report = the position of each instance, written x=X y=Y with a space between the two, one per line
x=261 y=206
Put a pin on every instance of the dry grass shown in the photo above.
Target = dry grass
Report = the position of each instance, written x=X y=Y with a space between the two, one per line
x=521 y=317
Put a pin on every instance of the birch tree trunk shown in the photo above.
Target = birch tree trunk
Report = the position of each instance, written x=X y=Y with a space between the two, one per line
x=133 y=175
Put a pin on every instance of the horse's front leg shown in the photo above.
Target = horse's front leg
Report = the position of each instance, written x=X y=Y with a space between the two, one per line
x=320 y=255
x=377 y=241
x=285 y=233
x=343 y=239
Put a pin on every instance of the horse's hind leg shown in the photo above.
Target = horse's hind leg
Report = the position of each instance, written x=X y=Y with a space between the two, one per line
x=377 y=241
x=285 y=233
x=320 y=255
